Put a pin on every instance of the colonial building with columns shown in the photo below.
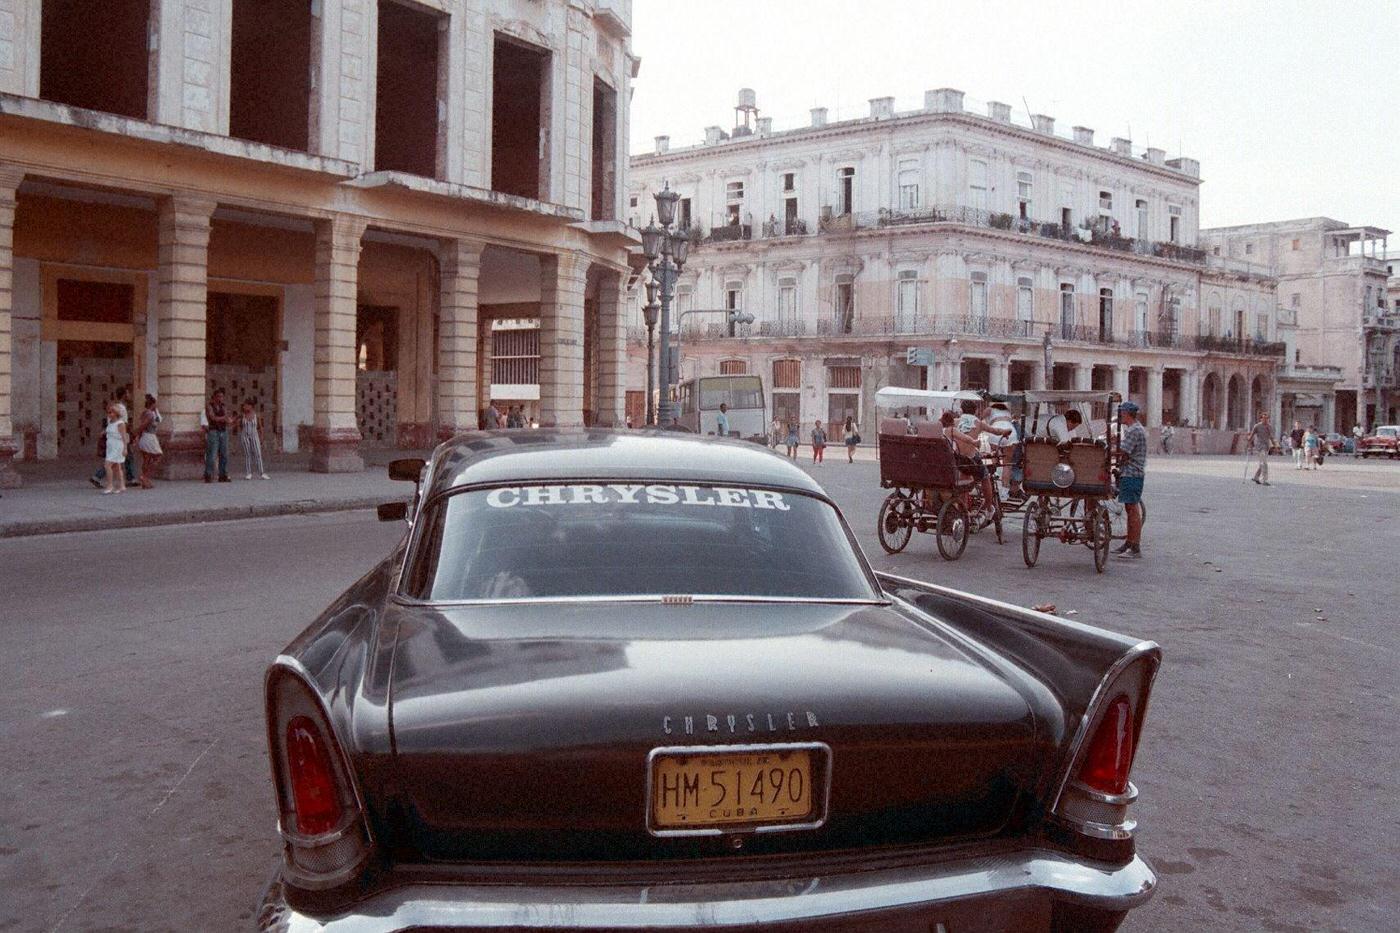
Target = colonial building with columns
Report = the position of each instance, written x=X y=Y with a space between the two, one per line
x=369 y=216
x=1343 y=366
x=1022 y=255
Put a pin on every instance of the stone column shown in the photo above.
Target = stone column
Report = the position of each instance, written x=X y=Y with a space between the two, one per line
x=1152 y=417
x=457 y=337
x=182 y=297
x=1190 y=398
x=611 y=397
x=9 y=188
x=1329 y=412
x=335 y=433
x=1000 y=375
x=563 y=279
x=1276 y=407
x=1083 y=377
x=1120 y=381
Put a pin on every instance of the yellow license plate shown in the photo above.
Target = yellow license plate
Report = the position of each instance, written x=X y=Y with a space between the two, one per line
x=700 y=790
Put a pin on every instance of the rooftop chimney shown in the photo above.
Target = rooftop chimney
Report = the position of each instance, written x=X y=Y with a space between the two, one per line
x=998 y=111
x=1186 y=166
x=1042 y=123
x=713 y=134
x=765 y=126
x=1156 y=156
x=1123 y=147
x=1084 y=136
x=819 y=116
x=882 y=108
x=663 y=144
x=943 y=100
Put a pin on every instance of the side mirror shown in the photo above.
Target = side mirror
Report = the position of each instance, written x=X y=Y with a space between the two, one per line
x=392 y=511
x=407 y=469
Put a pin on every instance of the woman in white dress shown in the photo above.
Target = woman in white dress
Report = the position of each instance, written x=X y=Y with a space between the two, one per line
x=147 y=442
x=116 y=437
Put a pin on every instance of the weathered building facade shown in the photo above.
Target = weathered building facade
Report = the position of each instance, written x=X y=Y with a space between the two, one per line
x=329 y=207
x=1332 y=278
x=1001 y=246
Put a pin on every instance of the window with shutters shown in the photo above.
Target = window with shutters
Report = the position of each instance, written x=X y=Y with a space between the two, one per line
x=977 y=184
x=907 y=298
x=1024 y=191
x=787 y=374
x=978 y=302
x=908 y=184
x=1025 y=299
x=787 y=299
x=843 y=377
x=733 y=202
x=845 y=298
x=1141 y=206
x=733 y=367
x=845 y=190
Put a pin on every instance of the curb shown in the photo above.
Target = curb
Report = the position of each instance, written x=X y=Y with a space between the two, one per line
x=26 y=529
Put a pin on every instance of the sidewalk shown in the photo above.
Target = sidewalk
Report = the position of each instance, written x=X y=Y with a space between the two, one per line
x=56 y=496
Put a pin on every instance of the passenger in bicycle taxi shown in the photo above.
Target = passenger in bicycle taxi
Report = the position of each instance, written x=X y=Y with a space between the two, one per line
x=965 y=431
x=1010 y=450
x=1132 y=463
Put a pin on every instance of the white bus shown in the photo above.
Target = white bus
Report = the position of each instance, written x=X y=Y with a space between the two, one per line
x=698 y=401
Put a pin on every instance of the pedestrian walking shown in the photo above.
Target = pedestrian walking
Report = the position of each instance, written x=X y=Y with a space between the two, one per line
x=147 y=444
x=1356 y=435
x=791 y=440
x=98 y=477
x=1311 y=452
x=818 y=442
x=217 y=420
x=1261 y=439
x=249 y=429
x=115 y=438
x=1166 y=438
x=493 y=417
x=1296 y=437
x=1132 y=462
x=851 y=437
x=775 y=433
x=722 y=420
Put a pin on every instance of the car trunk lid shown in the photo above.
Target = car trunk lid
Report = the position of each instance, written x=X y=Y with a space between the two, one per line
x=522 y=731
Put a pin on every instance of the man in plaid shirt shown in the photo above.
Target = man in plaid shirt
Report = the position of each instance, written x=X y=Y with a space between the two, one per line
x=1132 y=466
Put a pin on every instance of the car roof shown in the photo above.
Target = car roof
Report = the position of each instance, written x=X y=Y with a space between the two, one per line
x=528 y=455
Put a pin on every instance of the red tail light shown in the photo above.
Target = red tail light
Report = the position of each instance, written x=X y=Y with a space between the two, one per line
x=312 y=778
x=1110 y=755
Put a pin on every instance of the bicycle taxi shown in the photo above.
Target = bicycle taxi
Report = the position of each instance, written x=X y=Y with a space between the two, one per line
x=929 y=492
x=1070 y=484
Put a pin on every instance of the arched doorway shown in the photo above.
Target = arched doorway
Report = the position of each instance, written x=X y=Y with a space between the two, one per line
x=1235 y=403
x=1210 y=401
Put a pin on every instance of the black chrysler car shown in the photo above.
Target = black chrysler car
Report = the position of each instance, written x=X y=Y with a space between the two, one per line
x=634 y=680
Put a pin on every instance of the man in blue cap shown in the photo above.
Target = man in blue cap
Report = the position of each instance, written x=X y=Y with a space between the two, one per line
x=1132 y=465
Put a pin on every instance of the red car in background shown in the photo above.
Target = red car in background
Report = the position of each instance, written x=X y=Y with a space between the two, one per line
x=1385 y=442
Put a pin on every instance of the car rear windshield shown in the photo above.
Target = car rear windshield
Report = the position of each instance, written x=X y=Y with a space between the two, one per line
x=633 y=539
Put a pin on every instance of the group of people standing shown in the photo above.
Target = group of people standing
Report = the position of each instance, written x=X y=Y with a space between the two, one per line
x=1309 y=447
x=788 y=434
x=130 y=454
x=514 y=417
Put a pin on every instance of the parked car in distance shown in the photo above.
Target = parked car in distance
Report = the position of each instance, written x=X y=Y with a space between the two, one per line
x=646 y=680
x=1339 y=443
x=1384 y=442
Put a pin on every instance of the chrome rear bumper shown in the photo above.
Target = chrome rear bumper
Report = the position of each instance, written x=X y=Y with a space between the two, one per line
x=994 y=891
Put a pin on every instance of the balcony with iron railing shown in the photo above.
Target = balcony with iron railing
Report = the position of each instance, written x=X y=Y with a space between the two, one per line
x=1099 y=235
x=971 y=326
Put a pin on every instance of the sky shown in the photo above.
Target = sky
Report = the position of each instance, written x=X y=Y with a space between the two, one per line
x=1292 y=108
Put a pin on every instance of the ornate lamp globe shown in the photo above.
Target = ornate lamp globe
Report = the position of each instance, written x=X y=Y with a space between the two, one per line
x=666 y=206
x=651 y=241
x=680 y=247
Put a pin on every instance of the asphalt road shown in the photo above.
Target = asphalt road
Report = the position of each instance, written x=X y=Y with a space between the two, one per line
x=136 y=793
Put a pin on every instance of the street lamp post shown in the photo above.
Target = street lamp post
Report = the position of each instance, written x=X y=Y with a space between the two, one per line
x=652 y=310
x=734 y=317
x=666 y=251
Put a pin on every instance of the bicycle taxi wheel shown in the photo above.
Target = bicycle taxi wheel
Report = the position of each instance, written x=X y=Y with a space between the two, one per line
x=1032 y=531
x=895 y=524
x=1100 y=534
x=952 y=530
